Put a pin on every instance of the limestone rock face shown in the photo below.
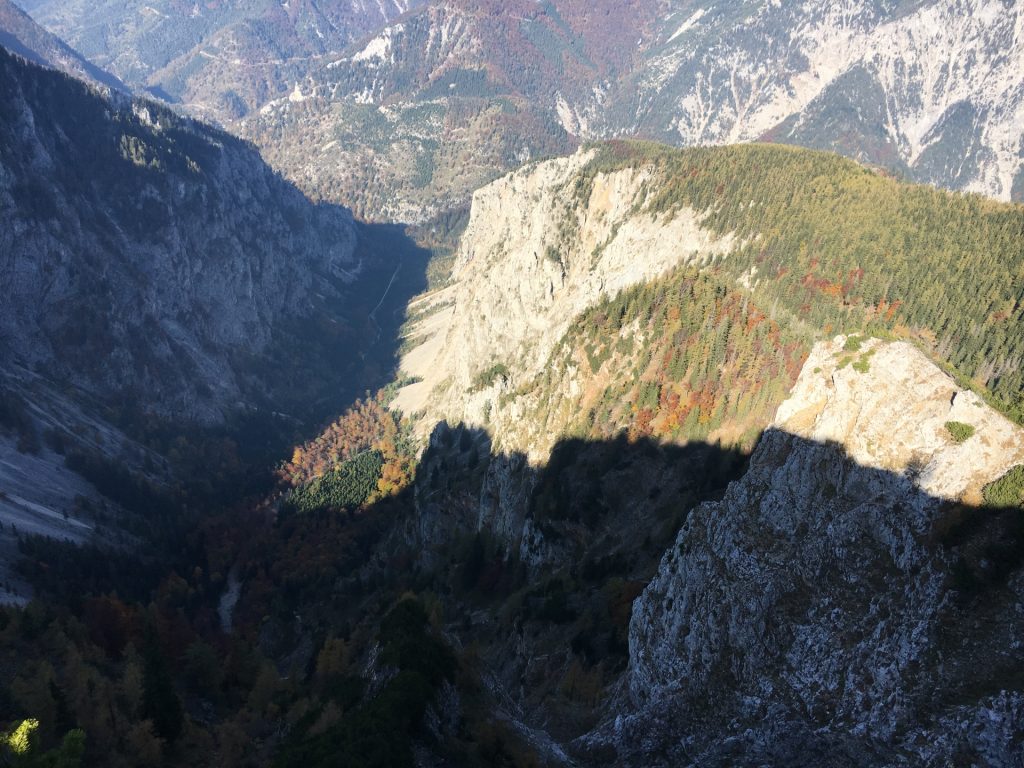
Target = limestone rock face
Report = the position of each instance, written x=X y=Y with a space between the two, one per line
x=538 y=251
x=823 y=600
x=532 y=258
x=892 y=415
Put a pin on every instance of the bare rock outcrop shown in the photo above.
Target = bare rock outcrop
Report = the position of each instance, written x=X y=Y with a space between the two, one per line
x=829 y=605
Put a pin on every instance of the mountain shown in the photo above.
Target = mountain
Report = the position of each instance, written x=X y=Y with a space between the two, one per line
x=21 y=35
x=220 y=59
x=409 y=122
x=702 y=456
x=698 y=456
x=622 y=328
x=632 y=295
x=821 y=244
x=165 y=231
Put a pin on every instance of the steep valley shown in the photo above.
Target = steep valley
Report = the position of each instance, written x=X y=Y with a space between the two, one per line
x=649 y=457
x=166 y=287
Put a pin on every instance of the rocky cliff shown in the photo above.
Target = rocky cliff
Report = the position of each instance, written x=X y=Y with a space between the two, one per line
x=554 y=238
x=833 y=605
x=143 y=256
x=539 y=249
x=612 y=351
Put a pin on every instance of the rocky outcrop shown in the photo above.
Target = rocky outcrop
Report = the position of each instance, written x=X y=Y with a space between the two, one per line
x=888 y=407
x=824 y=607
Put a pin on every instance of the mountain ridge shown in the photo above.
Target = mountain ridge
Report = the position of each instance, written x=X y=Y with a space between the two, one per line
x=565 y=234
x=172 y=165
x=221 y=58
x=466 y=92
x=21 y=35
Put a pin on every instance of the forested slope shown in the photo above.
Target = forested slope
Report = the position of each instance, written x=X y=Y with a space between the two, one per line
x=841 y=246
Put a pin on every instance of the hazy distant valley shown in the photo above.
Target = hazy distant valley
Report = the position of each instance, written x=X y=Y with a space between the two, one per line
x=511 y=384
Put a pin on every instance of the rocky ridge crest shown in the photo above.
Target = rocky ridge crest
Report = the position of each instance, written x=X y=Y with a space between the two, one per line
x=823 y=601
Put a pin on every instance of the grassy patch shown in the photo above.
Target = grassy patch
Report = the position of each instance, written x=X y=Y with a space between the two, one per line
x=862 y=365
x=959 y=431
x=1007 y=491
x=485 y=379
x=853 y=343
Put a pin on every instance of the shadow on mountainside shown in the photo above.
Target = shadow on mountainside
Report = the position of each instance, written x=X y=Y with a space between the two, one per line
x=315 y=367
x=173 y=308
x=179 y=473
x=319 y=365
x=159 y=256
x=538 y=571
x=815 y=612
x=588 y=494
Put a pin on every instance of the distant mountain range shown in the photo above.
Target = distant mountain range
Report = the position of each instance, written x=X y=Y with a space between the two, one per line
x=218 y=58
x=933 y=89
x=400 y=109
x=456 y=92
x=409 y=122
x=20 y=34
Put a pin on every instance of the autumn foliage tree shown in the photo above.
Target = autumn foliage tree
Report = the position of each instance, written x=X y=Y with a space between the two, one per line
x=364 y=456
